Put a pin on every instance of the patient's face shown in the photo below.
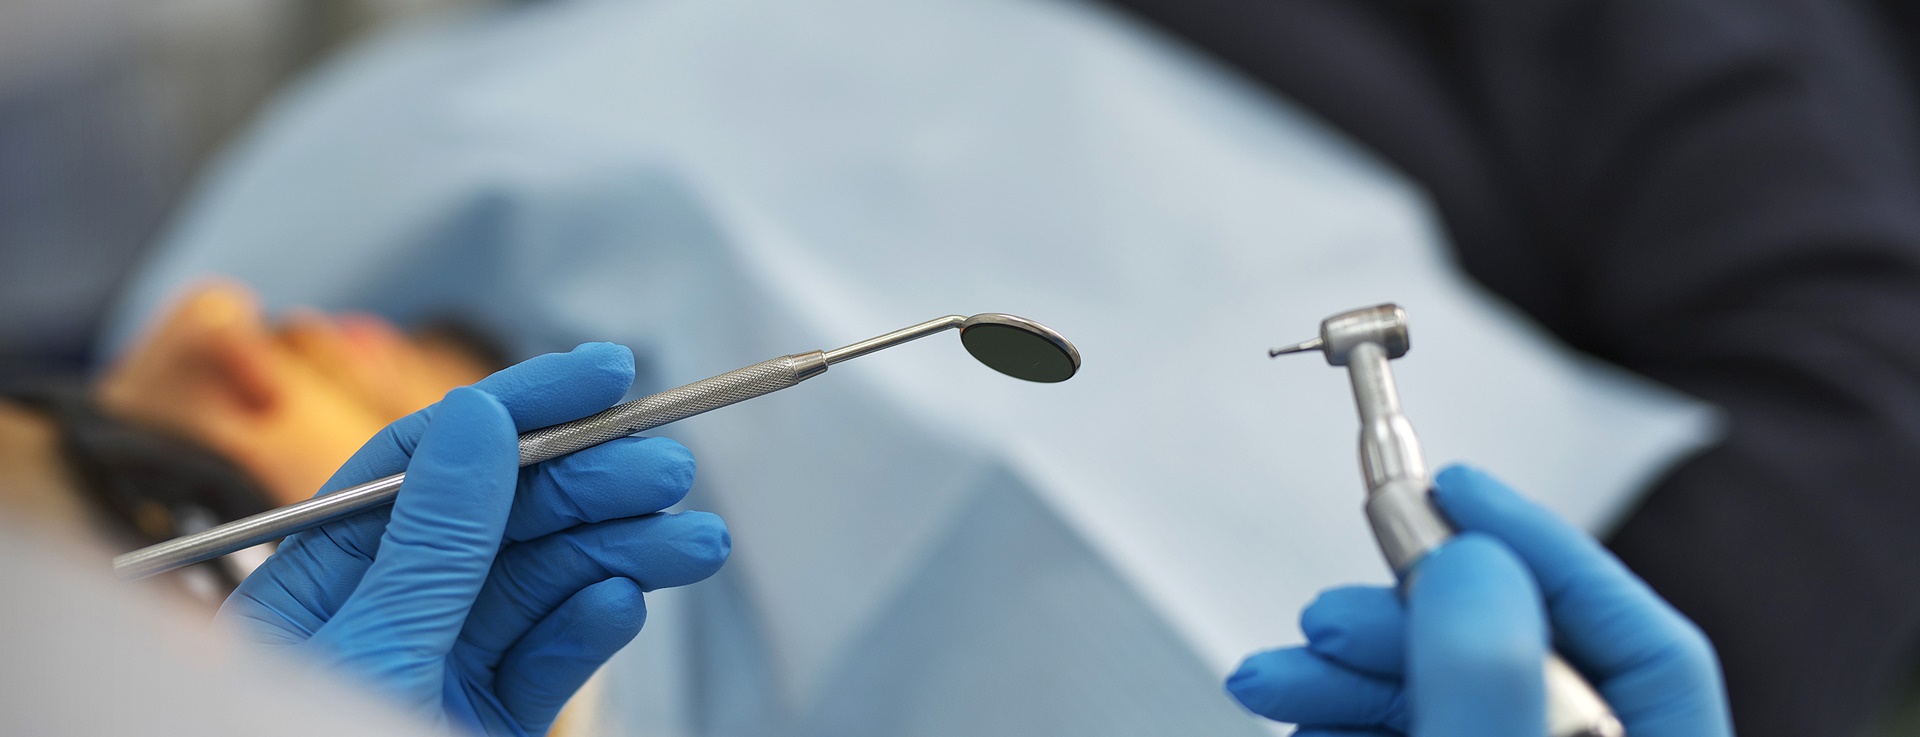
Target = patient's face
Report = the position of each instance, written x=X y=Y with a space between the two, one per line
x=287 y=399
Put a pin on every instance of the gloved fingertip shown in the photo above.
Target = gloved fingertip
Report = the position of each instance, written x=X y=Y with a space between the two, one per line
x=1324 y=634
x=1361 y=627
x=556 y=387
x=469 y=395
x=613 y=357
x=1460 y=488
x=463 y=407
x=1457 y=475
x=614 y=609
x=610 y=366
x=1241 y=684
x=1327 y=615
x=676 y=467
x=720 y=545
x=703 y=544
x=1255 y=683
x=624 y=590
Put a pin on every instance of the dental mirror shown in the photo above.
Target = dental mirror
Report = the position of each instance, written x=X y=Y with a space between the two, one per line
x=1015 y=346
x=1020 y=348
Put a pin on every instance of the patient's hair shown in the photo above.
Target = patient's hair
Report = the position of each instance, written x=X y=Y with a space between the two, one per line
x=147 y=485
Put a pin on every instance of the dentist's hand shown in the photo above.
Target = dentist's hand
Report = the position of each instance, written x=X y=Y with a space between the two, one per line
x=487 y=594
x=1462 y=657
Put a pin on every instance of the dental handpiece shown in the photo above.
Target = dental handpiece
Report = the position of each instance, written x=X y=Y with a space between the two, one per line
x=1014 y=346
x=1406 y=523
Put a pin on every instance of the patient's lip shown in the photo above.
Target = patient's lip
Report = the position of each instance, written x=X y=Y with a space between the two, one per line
x=367 y=329
x=369 y=333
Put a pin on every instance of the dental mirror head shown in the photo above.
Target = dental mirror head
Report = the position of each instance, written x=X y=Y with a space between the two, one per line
x=1020 y=348
x=1015 y=346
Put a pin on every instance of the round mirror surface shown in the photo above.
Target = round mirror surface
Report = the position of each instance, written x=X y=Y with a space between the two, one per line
x=1020 y=348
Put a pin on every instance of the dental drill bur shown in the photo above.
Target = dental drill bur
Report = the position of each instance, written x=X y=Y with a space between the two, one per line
x=1014 y=346
x=1406 y=523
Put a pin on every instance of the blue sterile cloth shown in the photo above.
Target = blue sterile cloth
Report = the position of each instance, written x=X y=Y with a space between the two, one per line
x=923 y=546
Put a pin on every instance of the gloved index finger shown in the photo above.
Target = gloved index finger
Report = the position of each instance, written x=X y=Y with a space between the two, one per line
x=557 y=387
x=1607 y=618
x=540 y=391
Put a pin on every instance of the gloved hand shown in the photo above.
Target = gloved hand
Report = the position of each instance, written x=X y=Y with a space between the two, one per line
x=1463 y=655
x=487 y=594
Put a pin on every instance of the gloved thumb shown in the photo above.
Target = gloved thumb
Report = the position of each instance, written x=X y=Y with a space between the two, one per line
x=1476 y=643
x=439 y=545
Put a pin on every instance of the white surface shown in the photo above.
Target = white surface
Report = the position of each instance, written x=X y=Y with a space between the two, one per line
x=85 y=655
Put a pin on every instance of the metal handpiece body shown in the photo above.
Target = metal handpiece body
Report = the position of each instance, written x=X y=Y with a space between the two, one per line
x=1011 y=345
x=1406 y=523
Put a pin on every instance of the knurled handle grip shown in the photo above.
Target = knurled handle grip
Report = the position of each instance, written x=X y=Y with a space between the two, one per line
x=674 y=404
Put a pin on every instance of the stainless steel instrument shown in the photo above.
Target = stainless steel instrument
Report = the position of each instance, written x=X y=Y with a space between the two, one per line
x=1406 y=524
x=1014 y=346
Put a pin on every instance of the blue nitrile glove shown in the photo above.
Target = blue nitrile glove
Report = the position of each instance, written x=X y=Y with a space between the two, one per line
x=487 y=594
x=1463 y=656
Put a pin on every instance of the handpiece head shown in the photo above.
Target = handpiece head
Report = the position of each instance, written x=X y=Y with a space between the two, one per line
x=1384 y=325
x=1020 y=348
